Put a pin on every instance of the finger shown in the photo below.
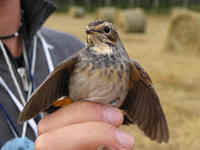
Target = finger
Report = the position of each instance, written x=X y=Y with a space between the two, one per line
x=85 y=136
x=80 y=112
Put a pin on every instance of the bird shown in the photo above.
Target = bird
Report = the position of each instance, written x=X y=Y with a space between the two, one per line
x=102 y=72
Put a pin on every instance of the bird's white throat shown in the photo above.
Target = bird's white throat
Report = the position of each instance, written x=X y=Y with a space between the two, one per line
x=102 y=49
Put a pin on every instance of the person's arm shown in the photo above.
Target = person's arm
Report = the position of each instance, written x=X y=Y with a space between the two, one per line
x=81 y=126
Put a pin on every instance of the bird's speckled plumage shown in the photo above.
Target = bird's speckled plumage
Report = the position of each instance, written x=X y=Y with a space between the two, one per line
x=103 y=73
x=100 y=77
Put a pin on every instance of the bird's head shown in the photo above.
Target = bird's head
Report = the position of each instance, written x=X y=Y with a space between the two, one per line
x=101 y=32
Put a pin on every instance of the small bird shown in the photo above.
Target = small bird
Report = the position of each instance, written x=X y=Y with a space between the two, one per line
x=102 y=72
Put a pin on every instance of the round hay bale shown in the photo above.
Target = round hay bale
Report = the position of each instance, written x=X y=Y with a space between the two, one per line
x=133 y=20
x=107 y=13
x=184 y=32
x=77 y=12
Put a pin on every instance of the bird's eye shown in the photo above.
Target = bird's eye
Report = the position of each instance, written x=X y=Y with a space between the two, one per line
x=107 y=29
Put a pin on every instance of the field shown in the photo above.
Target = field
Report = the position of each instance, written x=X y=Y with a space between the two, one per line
x=176 y=78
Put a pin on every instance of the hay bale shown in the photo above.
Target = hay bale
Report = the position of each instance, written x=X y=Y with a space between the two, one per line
x=77 y=12
x=107 y=13
x=184 y=32
x=133 y=20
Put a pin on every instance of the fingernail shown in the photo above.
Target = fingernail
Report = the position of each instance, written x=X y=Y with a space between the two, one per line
x=112 y=115
x=125 y=140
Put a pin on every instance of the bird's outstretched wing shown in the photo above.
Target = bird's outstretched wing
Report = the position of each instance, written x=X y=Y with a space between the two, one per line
x=143 y=106
x=54 y=87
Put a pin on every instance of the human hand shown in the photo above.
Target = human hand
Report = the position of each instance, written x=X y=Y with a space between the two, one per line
x=83 y=126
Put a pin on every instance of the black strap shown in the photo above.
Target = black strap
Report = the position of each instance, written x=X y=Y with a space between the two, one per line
x=13 y=35
x=16 y=34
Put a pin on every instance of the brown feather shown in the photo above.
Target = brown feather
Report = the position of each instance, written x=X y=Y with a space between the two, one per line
x=143 y=106
x=54 y=87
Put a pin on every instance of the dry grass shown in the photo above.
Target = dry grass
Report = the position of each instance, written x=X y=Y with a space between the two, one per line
x=184 y=32
x=107 y=13
x=77 y=12
x=132 y=20
x=176 y=78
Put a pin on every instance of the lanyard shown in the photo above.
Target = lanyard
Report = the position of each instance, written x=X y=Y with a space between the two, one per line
x=31 y=122
x=22 y=98
x=46 y=48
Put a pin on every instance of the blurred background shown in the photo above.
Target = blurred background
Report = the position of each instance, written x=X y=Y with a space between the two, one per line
x=162 y=35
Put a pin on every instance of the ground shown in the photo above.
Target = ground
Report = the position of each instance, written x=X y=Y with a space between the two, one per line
x=176 y=78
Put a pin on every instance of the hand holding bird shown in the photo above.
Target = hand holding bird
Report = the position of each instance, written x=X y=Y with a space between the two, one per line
x=103 y=73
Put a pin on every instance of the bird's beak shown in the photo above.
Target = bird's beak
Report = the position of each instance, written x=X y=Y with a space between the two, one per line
x=90 y=31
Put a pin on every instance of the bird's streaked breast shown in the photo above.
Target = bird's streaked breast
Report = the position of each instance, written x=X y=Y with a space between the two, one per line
x=101 y=80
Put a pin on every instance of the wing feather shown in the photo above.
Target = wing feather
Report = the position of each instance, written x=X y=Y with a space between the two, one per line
x=54 y=87
x=143 y=106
